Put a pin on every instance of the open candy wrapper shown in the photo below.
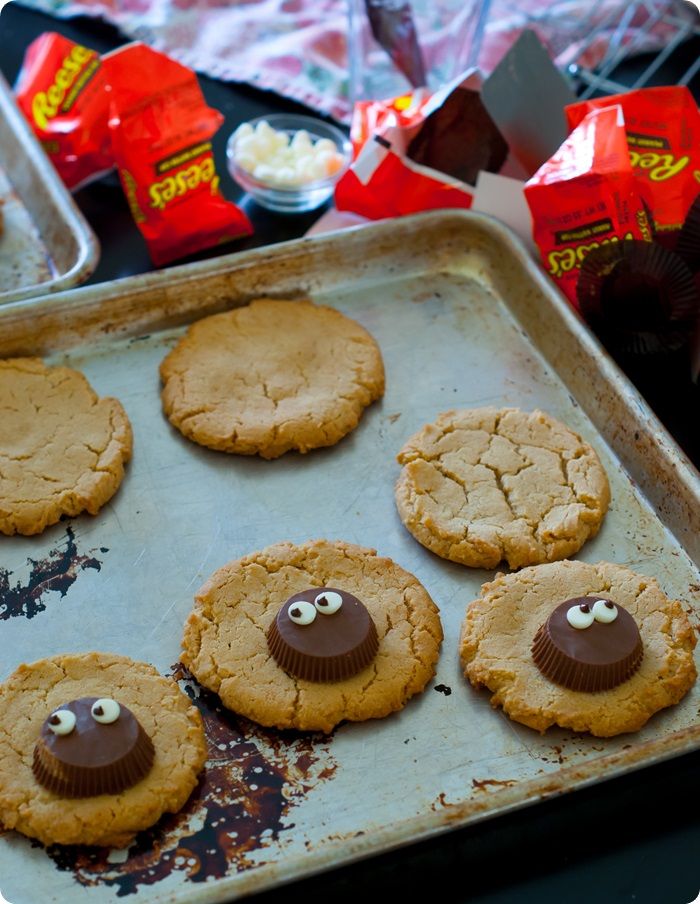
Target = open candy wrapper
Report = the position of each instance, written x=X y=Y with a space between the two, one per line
x=142 y=112
x=61 y=91
x=421 y=151
x=584 y=196
x=616 y=217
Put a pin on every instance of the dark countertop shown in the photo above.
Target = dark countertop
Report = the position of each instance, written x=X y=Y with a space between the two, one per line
x=631 y=839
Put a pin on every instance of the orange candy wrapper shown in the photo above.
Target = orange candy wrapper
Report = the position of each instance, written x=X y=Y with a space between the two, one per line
x=161 y=131
x=585 y=196
x=61 y=91
x=662 y=127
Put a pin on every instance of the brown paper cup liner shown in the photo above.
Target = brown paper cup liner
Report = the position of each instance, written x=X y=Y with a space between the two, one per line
x=322 y=668
x=579 y=676
x=76 y=781
x=638 y=297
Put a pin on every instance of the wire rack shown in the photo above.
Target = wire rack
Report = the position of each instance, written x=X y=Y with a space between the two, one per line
x=592 y=40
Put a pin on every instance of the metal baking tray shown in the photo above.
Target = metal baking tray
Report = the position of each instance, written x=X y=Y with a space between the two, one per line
x=47 y=244
x=464 y=318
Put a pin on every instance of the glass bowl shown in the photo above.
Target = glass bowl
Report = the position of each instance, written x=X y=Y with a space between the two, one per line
x=293 y=199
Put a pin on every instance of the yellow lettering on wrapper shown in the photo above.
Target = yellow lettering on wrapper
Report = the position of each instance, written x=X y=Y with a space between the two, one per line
x=561 y=262
x=659 y=167
x=46 y=104
x=163 y=192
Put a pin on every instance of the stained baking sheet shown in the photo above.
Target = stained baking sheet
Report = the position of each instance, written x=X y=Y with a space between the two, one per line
x=463 y=318
x=46 y=245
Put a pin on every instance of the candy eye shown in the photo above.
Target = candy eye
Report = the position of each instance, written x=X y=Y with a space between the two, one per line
x=328 y=602
x=62 y=722
x=580 y=616
x=301 y=612
x=604 y=611
x=105 y=710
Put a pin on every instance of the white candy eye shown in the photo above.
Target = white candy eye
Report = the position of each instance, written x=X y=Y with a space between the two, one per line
x=604 y=611
x=580 y=616
x=301 y=612
x=328 y=602
x=62 y=722
x=105 y=710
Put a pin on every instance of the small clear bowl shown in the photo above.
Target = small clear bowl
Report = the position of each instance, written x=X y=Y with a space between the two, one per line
x=300 y=198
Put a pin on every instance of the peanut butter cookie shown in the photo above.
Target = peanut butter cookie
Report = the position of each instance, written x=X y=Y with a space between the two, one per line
x=484 y=485
x=45 y=707
x=363 y=631
x=62 y=449
x=499 y=639
x=270 y=377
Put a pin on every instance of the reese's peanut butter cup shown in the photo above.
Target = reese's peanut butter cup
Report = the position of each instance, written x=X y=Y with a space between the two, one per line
x=91 y=746
x=638 y=296
x=588 y=644
x=323 y=634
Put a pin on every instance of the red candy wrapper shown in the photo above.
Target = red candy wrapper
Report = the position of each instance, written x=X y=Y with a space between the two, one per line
x=420 y=151
x=61 y=91
x=662 y=126
x=161 y=131
x=585 y=196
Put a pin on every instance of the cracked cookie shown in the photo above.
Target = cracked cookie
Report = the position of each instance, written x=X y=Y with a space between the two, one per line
x=36 y=704
x=484 y=485
x=271 y=376
x=62 y=448
x=225 y=643
x=498 y=647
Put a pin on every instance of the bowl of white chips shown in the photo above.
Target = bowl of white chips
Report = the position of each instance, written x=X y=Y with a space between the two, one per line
x=287 y=162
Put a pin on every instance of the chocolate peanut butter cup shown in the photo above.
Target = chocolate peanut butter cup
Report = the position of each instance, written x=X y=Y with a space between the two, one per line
x=588 y=644
x=323 y=634
x=91 y=746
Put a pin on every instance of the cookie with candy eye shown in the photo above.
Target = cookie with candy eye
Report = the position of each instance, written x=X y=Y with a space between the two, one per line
x=94 y=748
x=306 y=636
x=593 y=648
x=271 y=376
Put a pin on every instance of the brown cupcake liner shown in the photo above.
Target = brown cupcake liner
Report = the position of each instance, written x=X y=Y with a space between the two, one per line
x=71 y=781
x=638 y=296
x=579 y=676
x=322 y=668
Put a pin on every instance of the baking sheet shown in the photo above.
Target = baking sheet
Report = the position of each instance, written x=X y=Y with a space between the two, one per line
x=463 y=318
x=46 y=245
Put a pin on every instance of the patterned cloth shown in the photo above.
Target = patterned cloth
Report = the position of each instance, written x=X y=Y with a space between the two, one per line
x=298 y=48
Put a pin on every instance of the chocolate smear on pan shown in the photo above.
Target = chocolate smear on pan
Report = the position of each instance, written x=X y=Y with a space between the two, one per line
x=638 y=297
x=252 y=780
x=57 y=571
x=460 y=138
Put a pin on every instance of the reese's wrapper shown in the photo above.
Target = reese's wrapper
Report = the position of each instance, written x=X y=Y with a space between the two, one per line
x=585 y=196
x=61 y=91
x=638 y=296
x=420 y=151
x=161 y=131
x=662 y=127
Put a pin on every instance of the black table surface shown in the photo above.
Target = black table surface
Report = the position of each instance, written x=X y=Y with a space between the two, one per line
x=629 y=839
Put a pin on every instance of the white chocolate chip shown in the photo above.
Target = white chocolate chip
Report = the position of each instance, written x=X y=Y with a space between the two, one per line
x=579 y=619
x=284 y=161
x=301 y=612
x=105 y=710
x=604 y=611
x=328 y=602
x=62 y=722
